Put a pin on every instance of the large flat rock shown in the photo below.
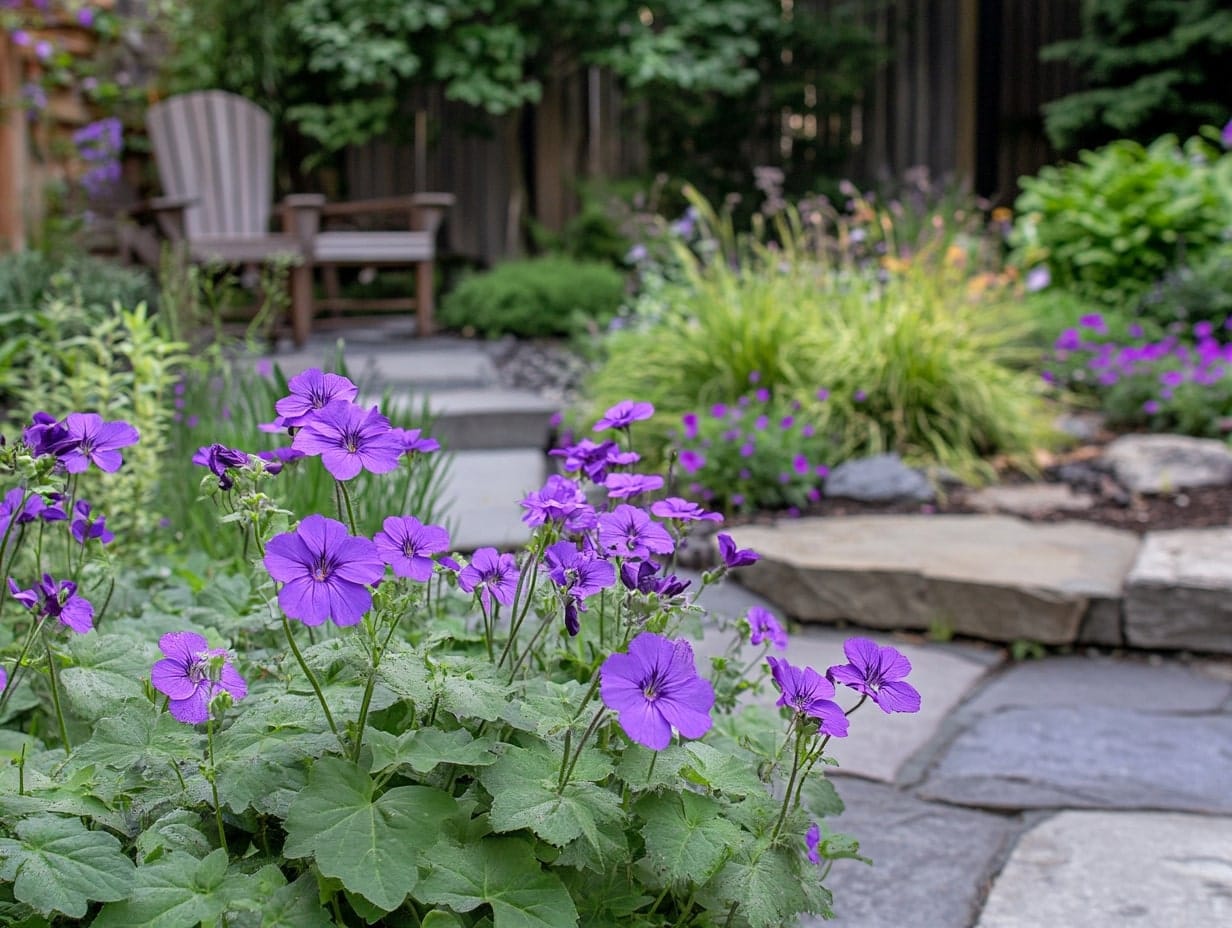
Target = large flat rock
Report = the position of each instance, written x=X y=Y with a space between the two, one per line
x=1088 y=757
x=1106 y=870
x=1116 y=682
x=1179 y=593
x=992 y=577
x=484 y=418
x=917 y=848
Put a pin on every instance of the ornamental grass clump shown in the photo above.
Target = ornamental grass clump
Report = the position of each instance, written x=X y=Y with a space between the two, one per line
x=373 y=730
x=922 y=353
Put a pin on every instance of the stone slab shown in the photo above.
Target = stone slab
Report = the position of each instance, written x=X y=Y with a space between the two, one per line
x=881 y=478
x=410 y=363
x=1167 y=463
x=1116 y=682
x=484 y=418
x=481 y=492
x=1179 y=593
x=1103 y=870
x=1088 y=757
x=931 y=863
x=1030 y=498
x=880 y=744
x=988 y=576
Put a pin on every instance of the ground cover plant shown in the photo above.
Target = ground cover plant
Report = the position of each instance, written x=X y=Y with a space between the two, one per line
x=352 y=729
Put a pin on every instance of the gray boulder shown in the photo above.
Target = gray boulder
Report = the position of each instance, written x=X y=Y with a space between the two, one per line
x=883 y=478
x=1168 y=463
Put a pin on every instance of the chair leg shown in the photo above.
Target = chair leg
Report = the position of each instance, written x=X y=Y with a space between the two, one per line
x=301 y=303
x=423 y=299
x=333 y=287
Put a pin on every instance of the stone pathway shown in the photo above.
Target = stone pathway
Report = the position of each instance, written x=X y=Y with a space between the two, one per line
x=1074 y=791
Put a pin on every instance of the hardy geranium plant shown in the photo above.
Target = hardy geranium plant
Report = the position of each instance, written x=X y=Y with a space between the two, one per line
x=374 y=731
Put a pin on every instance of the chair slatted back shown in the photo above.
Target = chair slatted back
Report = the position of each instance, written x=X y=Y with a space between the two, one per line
x=217 y=147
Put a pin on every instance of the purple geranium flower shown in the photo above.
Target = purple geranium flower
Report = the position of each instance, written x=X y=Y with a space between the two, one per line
x=812 y=843
x=406 y=545
x=623 y=415
x=90 y=439
x=593 y=459
x=349 y=439
x=413 y=442
x=643 y=576
x=218 y=459
x=579 y=574
x=494 y=574
x=806 y=692
x=45 y=434
x=84 y=528
x=52 y=509
x=324 y=571
x=878 y=673
x=733 y=556
x=690 y=424
x=13 y=509
x=626 y=486
x=192 y=674
x=691 y=461
x=683 y=510
x=56 y=599
x=630 y=532
x=311 y=391
x=655 y=688
x=764 y=626
x=559 y=500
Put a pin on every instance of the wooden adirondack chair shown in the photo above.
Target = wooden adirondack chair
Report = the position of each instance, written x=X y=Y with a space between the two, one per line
x=214 y=154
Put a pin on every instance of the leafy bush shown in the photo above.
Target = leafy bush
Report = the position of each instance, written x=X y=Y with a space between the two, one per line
x=1198 y=291
x=536 y=298
x=758 y=454
x=409 y=758
x=1110 y=225
x=922 y=359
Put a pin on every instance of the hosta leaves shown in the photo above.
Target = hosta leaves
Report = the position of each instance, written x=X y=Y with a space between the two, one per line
x=425 y=748
x=370 y=843
x=58 y=865
x=504 y=874
x=687 y=836
x=523 y=787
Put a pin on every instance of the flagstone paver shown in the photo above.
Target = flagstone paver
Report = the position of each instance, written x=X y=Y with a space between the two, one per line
x=993 y=577
x=480 y=493
x=1088 y=757
x=1179 y=593
x=1104 y=870
x=931 y=863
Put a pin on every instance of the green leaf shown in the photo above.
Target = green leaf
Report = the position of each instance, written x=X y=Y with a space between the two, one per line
x=176 y=891
x=523 y=788
x=470 y=689
x=57 y=865
x=406 y=674
x=295 y=906
x=178 y=830
x=107 y=670
x=721 y=771
x=424 y=748
x=820 y=798
x=769 y=890
x=371 y=844
x=440 y=919
x=687 y=836
x=644 y=769
x=502 y=873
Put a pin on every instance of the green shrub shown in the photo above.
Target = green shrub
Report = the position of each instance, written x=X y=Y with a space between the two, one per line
x=915 y=364
x=536 y=298
x=1112 y=224
x=1200 y=291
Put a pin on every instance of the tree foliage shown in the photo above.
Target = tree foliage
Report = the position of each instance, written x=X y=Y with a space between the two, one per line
x=1151 y=67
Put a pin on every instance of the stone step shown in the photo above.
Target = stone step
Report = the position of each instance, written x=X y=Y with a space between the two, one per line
x=1179 y=594
x=483 y=419
x=410 y=365
x=992 y=577
x=480 y=496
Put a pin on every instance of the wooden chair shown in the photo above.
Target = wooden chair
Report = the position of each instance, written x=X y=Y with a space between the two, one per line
x=214 y=154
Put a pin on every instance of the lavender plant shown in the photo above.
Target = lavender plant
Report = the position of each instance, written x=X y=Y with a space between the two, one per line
x=396 y=735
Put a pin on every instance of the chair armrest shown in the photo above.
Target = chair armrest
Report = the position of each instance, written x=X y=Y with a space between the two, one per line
x=168 y=212
x=301 y=217
x=424 y=210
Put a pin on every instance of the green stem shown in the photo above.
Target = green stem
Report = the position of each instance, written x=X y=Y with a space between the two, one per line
x=581 y=745
x=209 y=741
x=377 y=652
x=55 y=695
x=312 y=677
x=791 y=785
x=350 y=512
x=519 y=616
x=19 y=666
